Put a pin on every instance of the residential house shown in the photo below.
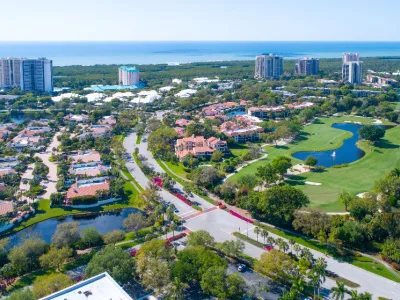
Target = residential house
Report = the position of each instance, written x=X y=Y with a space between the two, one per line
x=6 y=207
x=76 y=118
x=96 y=131
x=90 y=169
x=6 y=171
x=108 y=120
x=85 y=156
x=87 y=187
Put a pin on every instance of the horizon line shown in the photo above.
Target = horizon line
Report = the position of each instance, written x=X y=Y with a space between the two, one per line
x=200 y=41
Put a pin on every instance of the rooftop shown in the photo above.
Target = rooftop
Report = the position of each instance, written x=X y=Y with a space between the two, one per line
x=128 y=69
x=102 y=286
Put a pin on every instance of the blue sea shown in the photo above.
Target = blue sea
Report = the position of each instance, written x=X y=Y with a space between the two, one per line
x=91 y=53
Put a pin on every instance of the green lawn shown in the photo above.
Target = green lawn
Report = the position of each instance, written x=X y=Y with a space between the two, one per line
x=396 y=105
x=358 y=177
x=177 y=168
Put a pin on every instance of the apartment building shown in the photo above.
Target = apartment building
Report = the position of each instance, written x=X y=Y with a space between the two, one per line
x=307 y=66
x=128 y=75
x=199 y=146
x=268 y=66
x=352 y=68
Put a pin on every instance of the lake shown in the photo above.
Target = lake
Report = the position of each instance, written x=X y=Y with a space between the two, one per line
x=104 y=223
x=346 y=154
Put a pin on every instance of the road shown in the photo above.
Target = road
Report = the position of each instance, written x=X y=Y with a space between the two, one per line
x=220 y=224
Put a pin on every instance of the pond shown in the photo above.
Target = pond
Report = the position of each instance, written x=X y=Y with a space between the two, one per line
x=104 y=223
x=346 y=154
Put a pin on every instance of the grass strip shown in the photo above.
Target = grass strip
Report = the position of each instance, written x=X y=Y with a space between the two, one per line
x=360 y=261
x=138 y=139
x=248 y=240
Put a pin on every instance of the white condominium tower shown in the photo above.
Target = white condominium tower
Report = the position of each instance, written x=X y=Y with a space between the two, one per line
x=27 y=74
x=269 y=66
x=128 y=75
x=350 y=57
x=352 y=68
x=307 y=66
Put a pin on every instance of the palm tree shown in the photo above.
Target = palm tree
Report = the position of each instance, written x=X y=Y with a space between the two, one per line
x=291 y=242
x=288 y=295
x=339 y=291
x=365 y=296
x=173 y=227
x=307 y=255
x=298 y=286
x=314 y=281
x=176 y=289
x=270 y=240
x=297 y=249
x=354 y=295
x=264 y=234
x=320 y=270
x=285 y=246
x=279 y=243
x=257 y=231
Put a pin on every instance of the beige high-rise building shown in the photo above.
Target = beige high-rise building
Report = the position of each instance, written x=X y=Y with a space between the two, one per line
x=10 y=72
x=268 y=66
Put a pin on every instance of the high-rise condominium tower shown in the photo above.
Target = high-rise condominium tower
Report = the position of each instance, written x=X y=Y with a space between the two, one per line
x=37 y=75
x=307 y=66
x=27 y=74
x=352 y=68
x=10 y=73
x=128 y=75
x=268 y=66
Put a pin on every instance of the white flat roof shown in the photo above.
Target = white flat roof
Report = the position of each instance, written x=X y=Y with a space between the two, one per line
x=99 y=287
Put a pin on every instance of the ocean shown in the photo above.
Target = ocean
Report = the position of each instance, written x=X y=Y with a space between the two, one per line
x=91 y=53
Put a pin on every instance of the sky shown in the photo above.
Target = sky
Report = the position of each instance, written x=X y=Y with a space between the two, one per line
x=200 y=20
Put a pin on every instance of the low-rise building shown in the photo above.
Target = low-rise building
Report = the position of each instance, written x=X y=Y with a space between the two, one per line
x=96 y=131
x=6 y=207
x=199 y=146
x=22 y=141
x=379 y=81
x=241 y=133
x=180 y=131
x=6 y=171
x=220 y=108
x=87 y=187
x=90 y=169
x=183 y=122
x=85 y=156
x=101 y=286
x=186 y=93
x=76 y=118
x=280 y=111
x=108 y=120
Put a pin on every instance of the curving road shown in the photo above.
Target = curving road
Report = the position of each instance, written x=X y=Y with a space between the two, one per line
x=220 y=224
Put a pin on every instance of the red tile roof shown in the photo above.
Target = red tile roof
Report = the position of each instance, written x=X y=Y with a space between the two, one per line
x=87 y=190
x=6 y=207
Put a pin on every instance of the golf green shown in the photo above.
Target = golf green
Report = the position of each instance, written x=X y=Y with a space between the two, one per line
x=357 y=177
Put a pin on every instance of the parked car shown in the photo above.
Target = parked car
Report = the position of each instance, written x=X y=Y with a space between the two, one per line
x=133 y=252
x=242 y=268
x=269 y=247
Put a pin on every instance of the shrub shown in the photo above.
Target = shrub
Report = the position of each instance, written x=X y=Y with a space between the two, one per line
x=84 y=200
